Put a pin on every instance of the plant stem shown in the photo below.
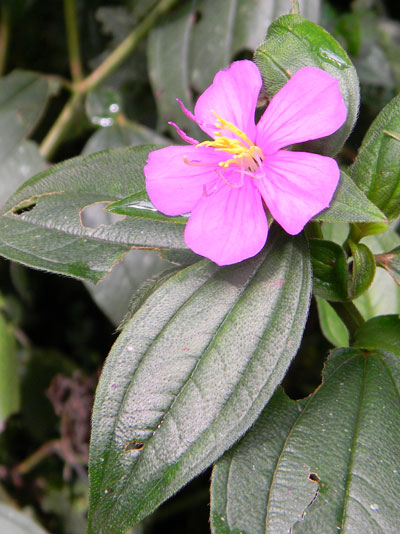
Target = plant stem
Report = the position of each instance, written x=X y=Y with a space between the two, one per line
x=125 y=48
x=34 y=459
x=350 y=315
x=4 y=37
x=74 y=52
x=54 y=137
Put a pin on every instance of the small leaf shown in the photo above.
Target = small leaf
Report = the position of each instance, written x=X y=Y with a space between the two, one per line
x=391 y=262
x=188 y=397
x=23 y=96
x=328 y=463
x=139 y=205
x=43 y=223
x=293 y=42
x=376 y=170
x=349 y=204
x=363 y=269
x=329 y=264
x=9 y=380
x=381 y=332
x=14 y=522
x=332 y=326
x=383 y=297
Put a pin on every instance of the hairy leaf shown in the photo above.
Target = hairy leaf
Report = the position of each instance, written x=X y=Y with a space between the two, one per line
x=189 y=374
x=293 y=42
x=349 y=204
x=376 y=170
x=363 y=269
x=321 y=465
x=44 y=224
x=329 y=264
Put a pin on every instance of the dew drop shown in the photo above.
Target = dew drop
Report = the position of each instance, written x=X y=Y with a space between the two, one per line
x=374 y=507
x=332 y=58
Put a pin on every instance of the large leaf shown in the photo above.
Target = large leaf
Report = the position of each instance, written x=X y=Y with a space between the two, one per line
x=42 y=224
x=23 y=95
x=377 y=168
x=349 y=204
x=14 y=522
x=190 y=47
x=317 y=466
x=9 y=380
x=293 y=42
x=190 y=373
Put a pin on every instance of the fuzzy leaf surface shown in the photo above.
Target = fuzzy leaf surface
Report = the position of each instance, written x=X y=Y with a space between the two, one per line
x=43 y=224
x=190 y=373
x=316 y=466
x=376 y=170
x=292 y=43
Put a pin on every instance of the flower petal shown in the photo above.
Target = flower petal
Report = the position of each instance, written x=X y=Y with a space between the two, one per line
x=174 y=187
x=297 y=186
x=233 y=96
x=228 y=226
x=308 y=106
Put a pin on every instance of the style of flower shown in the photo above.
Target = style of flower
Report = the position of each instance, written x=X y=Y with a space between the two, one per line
x=226 y=183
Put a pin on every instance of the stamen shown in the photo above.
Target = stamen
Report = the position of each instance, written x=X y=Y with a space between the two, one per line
x=197 y=163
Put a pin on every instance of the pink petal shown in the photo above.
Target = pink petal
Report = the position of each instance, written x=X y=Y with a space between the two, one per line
x=308 y=107
x=233 y=95
x=297 y=186
x=174 y=187
x=228 y=226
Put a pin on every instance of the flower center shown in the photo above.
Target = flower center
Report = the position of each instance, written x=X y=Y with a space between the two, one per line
x=246 y=155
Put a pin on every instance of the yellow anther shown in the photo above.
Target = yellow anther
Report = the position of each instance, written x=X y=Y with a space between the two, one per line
x=245 y=153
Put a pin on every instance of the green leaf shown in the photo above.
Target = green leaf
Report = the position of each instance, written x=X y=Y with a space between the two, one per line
x=331 y=325
x=293 y=42
x=21 y=164
x=376 y=170
x=349 y=204
x=140 y=205
x=391 y=262
x=190 y=373
x=9 y=380
x=317 y=465
x=381 y=332
x=383 y=297
x=329 y=265
x=363 y=269
x=44 y=223
x=14 y=522
x=188 y=48
x=23 y=95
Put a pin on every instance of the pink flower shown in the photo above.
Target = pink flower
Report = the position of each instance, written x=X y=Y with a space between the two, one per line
x=224 y=182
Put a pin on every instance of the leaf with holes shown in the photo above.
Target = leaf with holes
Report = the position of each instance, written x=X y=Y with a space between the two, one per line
x=293 y=42
x=376 y=170
x=317 y=465
x=47 y=223
x=190 y=373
